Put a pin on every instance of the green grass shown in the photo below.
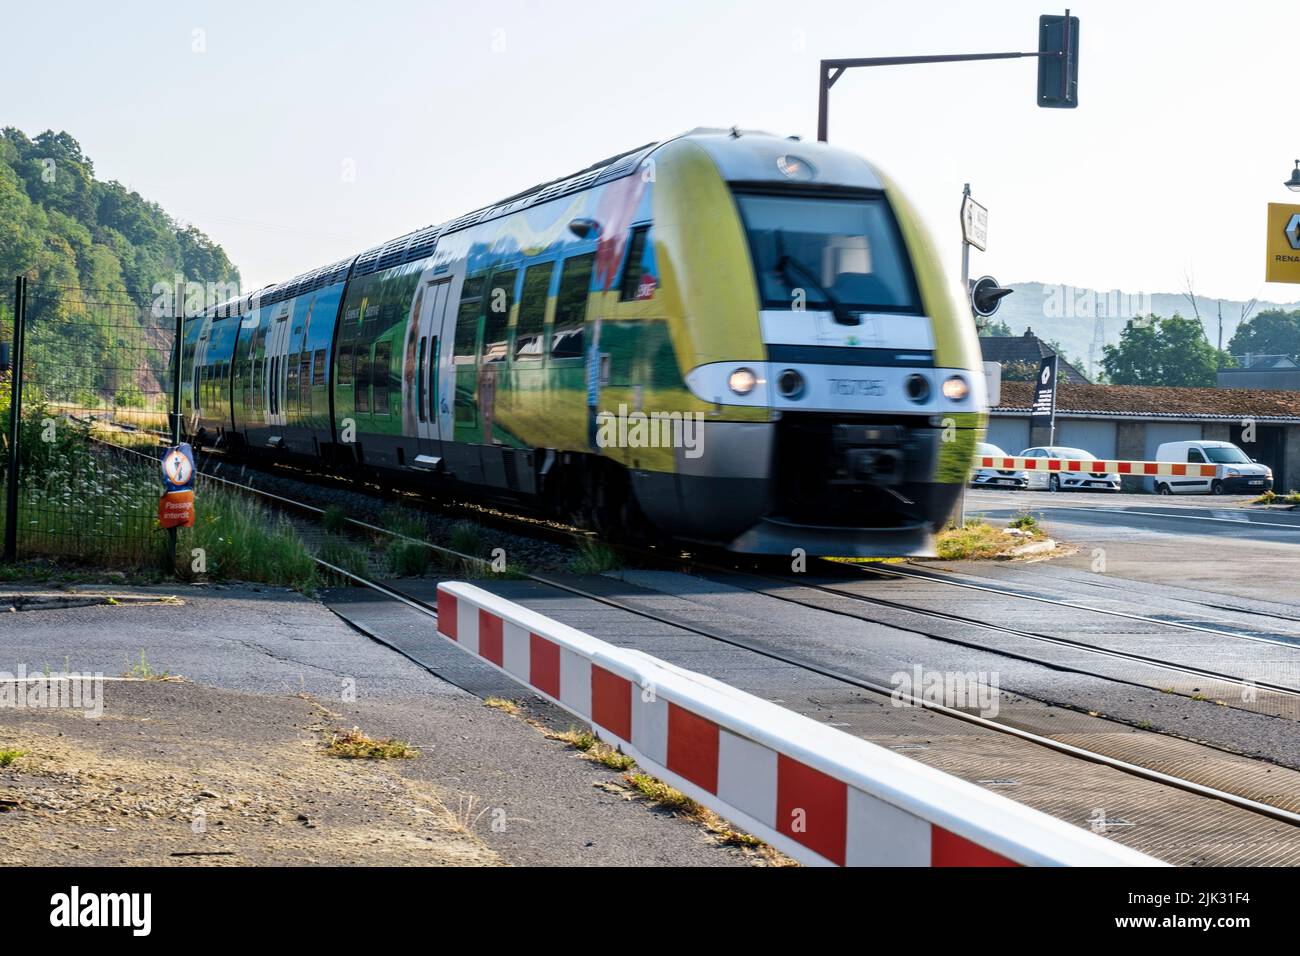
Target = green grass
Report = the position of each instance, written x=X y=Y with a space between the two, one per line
x=408 y=559
x=335 y=519
x=1026 y=522
x=595 y=557
x=467 y=538
x=9 y=756
x=142 y=670
x=400 y=521
x=342 y=553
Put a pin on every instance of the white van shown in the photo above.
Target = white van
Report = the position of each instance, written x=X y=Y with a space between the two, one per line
x=1235 y=472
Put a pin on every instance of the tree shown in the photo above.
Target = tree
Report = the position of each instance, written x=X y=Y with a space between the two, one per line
x=1272 y=332
x=1156 y=351
x=998 y=329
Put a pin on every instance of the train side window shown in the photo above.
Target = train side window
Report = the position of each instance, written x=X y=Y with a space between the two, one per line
x=318 y=368
x=291 y=378
x=304 y=379
x=496 y=314
x=465 y=345
x=571 y=306
x=634 y=266
x=532 y=311
x=433 y=378
x=361 y=380
x=419 y=380
x=345 y=364
x=383 y=356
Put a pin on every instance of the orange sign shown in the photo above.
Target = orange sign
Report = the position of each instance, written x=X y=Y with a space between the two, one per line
x=176 y=509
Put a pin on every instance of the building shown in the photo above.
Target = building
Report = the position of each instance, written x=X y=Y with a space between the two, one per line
x=1026 y=351
x=1261 y=371
x=1129 y=422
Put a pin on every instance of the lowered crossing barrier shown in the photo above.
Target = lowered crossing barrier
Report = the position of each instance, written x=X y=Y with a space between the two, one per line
x=1178 y=468
x=822 y=796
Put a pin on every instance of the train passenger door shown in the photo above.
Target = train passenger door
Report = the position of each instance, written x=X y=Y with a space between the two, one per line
x=429 y=375
x=276 y=370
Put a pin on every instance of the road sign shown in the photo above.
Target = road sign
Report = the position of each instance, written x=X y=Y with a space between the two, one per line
x=176 y=508
x=1283 y=243
x=974 y=224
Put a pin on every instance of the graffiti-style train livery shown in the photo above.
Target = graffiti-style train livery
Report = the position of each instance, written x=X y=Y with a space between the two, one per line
x=775 y=305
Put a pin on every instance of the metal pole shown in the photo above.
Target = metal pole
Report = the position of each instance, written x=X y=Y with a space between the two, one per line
x=15 y=419
x=178 y=308
x=823 y=102
x=960 y=510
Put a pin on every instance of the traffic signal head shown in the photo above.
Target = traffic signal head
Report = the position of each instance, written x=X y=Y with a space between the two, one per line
x=1058 y=72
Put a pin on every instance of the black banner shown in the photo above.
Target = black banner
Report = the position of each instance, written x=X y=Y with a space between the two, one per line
x=1044 y=410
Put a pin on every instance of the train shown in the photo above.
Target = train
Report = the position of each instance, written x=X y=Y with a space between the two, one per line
x=728 y=339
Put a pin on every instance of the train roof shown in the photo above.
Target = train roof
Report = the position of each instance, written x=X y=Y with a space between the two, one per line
x=741 y=156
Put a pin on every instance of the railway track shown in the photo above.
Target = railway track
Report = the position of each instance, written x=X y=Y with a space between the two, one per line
x=1140 y=769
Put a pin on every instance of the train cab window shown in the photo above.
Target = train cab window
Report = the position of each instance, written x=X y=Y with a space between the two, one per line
x=361 y=379
x=634 y=267
x=827 y=252
x=532 y=311
x=465 y=344
x=383 y=357
x=496 y=314
x=571 y=306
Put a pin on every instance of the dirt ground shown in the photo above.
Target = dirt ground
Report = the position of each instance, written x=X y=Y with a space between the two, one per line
x=183 y=774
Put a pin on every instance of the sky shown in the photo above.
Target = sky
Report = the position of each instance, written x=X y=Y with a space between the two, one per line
x=296 y=134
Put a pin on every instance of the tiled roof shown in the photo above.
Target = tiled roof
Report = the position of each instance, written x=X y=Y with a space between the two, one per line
x=1149 y=401
x=1004 y=349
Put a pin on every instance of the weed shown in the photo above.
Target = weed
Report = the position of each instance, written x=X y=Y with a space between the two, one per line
x=407 y=559
x=355 y=745
x=335 y=520
x=595 y=557
x=9 y=756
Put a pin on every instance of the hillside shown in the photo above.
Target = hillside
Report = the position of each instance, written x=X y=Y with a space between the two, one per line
x=1069 y=315
x=93 y=253
x=61 y=226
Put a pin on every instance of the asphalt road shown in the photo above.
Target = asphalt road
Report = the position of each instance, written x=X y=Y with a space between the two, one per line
x=1220 y=516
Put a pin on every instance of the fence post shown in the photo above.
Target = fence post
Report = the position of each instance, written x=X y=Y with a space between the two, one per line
x=175 y=415
x=15 y=419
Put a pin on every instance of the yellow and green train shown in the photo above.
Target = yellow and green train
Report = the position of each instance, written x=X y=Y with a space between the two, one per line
x=727 y=338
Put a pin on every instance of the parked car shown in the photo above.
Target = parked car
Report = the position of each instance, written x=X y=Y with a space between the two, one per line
x=1068 y=480
x=996 y=477
x=1235 y=472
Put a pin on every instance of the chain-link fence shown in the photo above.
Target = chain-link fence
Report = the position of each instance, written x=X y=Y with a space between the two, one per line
x=95 y=390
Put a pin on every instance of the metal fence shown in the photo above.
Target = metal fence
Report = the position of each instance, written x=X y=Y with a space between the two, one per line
x=89 y=395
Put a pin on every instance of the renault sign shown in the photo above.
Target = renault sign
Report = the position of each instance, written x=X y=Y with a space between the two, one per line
x=1283 y=243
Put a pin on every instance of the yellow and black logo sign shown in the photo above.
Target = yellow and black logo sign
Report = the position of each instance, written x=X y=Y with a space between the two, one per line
x=1283 y=243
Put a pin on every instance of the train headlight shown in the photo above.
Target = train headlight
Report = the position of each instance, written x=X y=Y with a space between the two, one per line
x=790 y=383
x=742 y=381
x=956 y=388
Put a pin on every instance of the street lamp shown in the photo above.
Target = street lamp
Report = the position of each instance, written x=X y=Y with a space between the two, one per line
x=1293 y=183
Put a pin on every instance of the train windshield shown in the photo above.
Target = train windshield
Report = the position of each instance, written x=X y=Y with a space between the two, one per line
x=827 y=252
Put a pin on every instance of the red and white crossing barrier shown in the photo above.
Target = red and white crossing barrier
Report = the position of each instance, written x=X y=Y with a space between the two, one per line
x=820 y=795
x=1179 y=468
